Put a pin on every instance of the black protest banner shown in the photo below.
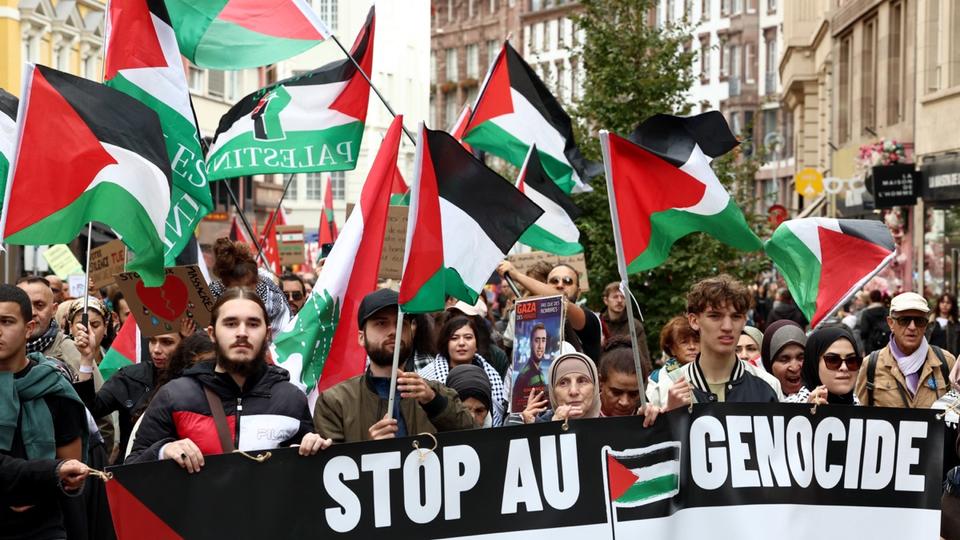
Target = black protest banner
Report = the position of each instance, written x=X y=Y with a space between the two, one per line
x=727 y=471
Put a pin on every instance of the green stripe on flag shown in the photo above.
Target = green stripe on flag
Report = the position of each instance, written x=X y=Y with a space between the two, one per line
x=433 y=294
x=4 y=169
x=799 y=266
x=226 y=45
x=113 y=362
x=538 y=238
x=490 y=137
x=648 y=489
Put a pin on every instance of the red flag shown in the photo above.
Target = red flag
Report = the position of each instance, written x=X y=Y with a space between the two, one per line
x=268 y=240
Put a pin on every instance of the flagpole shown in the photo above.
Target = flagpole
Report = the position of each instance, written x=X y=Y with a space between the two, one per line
x=621 y=262
x=375 y=90
x=246 y=224
x=273 y=217
x=84 y=319
x=397 y=342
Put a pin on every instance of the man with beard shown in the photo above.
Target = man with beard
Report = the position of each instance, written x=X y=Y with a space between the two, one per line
x=188 y=418
x=47 y=337
x=356 y=409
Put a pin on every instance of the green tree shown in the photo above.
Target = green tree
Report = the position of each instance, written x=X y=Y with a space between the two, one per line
x=633 y=71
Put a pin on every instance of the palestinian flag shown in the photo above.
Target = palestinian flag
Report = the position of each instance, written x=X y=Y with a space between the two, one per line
x=640 y=476
x=326 y=326
x=238 y=34
x=125 y=350
x=454 y=239
x=8 y=134
x=826 y=261
x=555 y=231
x=328 y=226
x=515 y=110
x=89 y=150
x=308 y=123
x=399 y=190
x=662 y=188
x=238 y=233
x=142 y=61
x=460 y=126
x=268 y=239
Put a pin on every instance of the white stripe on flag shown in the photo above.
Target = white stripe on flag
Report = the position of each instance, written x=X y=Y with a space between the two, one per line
x=657 y=470
x=8 y=136
x=807 y=230
x=528 y=125
x=466 y=247
x=554 y=219
x=637 y=452
x=715 y=198
x=142 y=179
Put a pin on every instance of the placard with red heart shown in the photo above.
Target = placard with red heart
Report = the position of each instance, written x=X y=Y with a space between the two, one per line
x=159 y=310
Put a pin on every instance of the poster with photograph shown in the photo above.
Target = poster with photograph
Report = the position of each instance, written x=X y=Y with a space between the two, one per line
x=538 y=336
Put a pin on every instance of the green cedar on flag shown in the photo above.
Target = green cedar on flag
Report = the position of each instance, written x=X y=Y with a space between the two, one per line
x=108 y=154
x=454 y=241
x=321 y=342
x=555 y=231
x=662 y=188
x=143 y=61
x=515 y=110
x=8 y=134
x=238 y=34
x=309 y=123
x=826 y=261
x=125 y=350
x=640 y=476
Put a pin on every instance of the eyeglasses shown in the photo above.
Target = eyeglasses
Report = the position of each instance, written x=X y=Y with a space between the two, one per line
x=567 y=280
x=832 y=361
x=293 y=295
x=919 y=321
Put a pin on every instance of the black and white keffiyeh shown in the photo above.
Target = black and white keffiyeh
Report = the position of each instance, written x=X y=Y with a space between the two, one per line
x=440 y=368
x=42 y=342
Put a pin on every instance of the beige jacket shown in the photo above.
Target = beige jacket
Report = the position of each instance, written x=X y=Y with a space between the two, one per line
x=890 y=386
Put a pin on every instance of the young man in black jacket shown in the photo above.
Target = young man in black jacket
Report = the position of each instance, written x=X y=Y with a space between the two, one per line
x=238 y=402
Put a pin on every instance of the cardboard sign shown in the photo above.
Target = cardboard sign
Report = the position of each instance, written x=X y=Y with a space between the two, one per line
x=107 y=261
x=62 y=261
x=525 y=261
x=76 y=284
x=394 y=242
x=538 y=335
x=290 y=244
x=159 y=310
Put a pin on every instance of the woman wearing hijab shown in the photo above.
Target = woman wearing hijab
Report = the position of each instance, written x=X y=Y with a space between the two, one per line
x=830 y=364
x=473 y=387
x=782 y=353
x=574 y=391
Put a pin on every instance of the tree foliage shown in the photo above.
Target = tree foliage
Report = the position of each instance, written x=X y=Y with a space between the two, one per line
x=633 y=71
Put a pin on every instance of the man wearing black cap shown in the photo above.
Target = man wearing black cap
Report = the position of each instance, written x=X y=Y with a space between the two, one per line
x=356 y=409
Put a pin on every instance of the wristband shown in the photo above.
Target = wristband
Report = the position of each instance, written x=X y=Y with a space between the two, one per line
x=86 y=369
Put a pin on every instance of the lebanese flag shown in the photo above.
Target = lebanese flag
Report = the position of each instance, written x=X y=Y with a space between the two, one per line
x=462 y=221
x=83 y=152
x=8 y=134
x=555 y=231
x=326 y=327
x=328 y=226
x=826 y=261
x=661 y=188
x=238 y=34
x=268 y=239
x=515 y=110
x=125 y=350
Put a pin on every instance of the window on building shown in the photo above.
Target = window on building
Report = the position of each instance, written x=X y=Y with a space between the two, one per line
x=450 y=109
x=432 y=114
x=473 y=61
x=493 y=49
x=270 y=74
x=234 y=84
x=562 y=86
x=216 y=83
x=931 y=65
x=327 y=11
x=724 y=60
x=751 y=6
x=338 y=185
x=671 y=11
x=493 y=6
x=314 y=187
x=895 y=64
x=688 y=10
x=449 y=11
x=451 y=65
x=771 y=6
x=735 y=62
x=844 y=96
x=770 y=124
x=433 y=67
x=705 y=7
x=725 y=8
x=293 y=192
x=737 y=7
x=770 y=75
x=195 y=78
x=750 y=63
x=954 y=66
x=470 y=8
x=735 y=123
x=868 y=84
x=705 y=59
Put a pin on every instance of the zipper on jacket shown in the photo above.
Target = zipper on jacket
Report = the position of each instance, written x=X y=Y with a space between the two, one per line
x=236 y=435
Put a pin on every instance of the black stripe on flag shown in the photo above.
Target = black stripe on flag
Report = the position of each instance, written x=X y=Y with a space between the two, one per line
x=159 y=9
x=8 y=104
x=541 y=183
x=875 y=232
x=113 y=117
x=672 y=138
x=501 y=210
x=670 y=453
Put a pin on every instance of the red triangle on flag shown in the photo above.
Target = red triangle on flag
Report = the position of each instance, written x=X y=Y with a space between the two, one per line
x=132 y=519
x=495 y=99
x=844 y=260
x=620 y=478
x=133 y=38
x=277 y=18
x=425 y=246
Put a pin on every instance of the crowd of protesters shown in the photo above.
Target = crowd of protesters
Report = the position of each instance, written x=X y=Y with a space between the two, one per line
x=205 y=391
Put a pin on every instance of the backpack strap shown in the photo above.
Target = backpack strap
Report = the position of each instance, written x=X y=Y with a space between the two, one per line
x=220 y=420
x=944 y=368
x=871 y=376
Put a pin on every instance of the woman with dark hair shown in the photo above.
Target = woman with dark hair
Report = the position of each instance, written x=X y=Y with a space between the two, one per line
x=457 y=343
x=236 y=267
x=831 y=360
x=424 y=342
x=946 y=333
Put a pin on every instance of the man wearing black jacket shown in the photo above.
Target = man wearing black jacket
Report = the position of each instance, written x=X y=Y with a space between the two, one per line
x=25 y=482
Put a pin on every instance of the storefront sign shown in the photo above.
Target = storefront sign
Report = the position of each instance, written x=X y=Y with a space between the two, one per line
x=941 y=180
x=895 y=185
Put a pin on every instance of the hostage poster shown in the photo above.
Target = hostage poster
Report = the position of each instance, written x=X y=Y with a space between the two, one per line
x=538 y=338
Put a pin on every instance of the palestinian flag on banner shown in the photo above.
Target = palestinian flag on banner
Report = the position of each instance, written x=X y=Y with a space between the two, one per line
x=555 y=231
x=238 y=34
x=662 y=187
x=125 y=350
x=328 y=226
x=268 y=240
x=399 y=190
x=515 y=110
x=326 y=327
x=142 y=61
x=108 y=153
x=454 y=241
x=826 y=261
x=641 y=476
x=8 y=134
x=309 y=123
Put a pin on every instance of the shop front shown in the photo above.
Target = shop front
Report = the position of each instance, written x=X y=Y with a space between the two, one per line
x=941 y=195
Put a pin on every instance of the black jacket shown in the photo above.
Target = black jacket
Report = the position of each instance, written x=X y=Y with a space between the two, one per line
x=24 y=482
x=743 y=386
x=266 y=413
x=125 y=392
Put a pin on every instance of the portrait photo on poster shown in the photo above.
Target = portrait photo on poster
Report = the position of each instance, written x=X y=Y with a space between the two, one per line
x=539 y=337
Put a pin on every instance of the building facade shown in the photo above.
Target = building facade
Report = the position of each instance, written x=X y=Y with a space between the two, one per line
x=550 y=42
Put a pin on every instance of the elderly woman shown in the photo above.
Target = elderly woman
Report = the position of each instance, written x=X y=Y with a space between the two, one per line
x=782 y=353
x=830 y=364
x=574 y=391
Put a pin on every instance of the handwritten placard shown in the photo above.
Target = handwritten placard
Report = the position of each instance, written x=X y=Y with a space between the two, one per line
x=159 y=310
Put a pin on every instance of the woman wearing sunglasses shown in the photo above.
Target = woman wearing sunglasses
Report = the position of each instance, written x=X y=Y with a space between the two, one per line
x=831 y=361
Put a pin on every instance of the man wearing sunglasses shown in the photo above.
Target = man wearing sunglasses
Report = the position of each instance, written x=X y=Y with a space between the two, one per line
x=295 y=290
x=908 y=372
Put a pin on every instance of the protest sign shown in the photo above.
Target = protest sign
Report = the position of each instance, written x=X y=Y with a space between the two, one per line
x=537 y=337
x=525 y=261
x=290 y=244
x=107 y=261
x=76 y=285
x=724 y=471
x=62 y=261
x=159 y=310
x=394 y=242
